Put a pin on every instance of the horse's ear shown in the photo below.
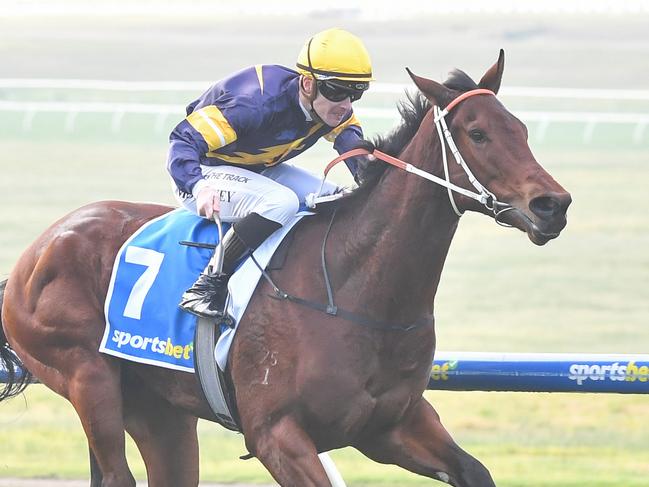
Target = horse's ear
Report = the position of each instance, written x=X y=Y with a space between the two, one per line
x=492 y=78
x=435 y=92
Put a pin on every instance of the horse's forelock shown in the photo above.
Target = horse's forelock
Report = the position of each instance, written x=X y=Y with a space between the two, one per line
x=458 y=80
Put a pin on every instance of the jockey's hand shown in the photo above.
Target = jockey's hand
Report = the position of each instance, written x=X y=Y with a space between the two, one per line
x=368 y=146
x=363 y=161
x=208 y=202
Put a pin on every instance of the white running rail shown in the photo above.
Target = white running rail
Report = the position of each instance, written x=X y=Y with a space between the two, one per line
x=162 y=112
x=393 y=88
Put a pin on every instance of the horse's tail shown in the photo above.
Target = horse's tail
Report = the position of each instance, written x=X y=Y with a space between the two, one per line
x=12 y=372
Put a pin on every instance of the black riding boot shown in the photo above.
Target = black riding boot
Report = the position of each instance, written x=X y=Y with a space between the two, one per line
x=206 y=298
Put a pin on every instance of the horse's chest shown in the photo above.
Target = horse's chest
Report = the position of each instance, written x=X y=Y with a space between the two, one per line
x=361 y=397
x=401 y=377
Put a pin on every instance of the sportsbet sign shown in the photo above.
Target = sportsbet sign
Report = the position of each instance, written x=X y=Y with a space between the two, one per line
x=542 y=372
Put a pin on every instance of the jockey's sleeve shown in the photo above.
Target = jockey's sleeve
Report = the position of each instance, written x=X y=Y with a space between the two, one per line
x=345 y=137
x=205 y=129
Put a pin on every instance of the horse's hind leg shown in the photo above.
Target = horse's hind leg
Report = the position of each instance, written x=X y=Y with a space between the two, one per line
x=166 y=438
x=96 y=478
x=95 y=393
x=422 y=445
x=288 y=454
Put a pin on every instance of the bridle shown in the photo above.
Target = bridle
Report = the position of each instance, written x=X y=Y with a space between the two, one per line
x=483 y=195
x=486 y=197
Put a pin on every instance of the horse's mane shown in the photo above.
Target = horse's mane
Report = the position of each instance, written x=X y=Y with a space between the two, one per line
x=412 y=110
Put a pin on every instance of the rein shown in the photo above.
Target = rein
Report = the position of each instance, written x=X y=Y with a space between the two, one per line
x=483 y=196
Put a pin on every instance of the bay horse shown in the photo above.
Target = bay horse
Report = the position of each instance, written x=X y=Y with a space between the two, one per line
x=304 y=381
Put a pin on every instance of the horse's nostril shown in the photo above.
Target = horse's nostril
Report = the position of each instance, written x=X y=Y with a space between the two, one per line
x=545 y=206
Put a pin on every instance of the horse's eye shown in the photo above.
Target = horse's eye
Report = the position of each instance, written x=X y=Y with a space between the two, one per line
x=477 y=135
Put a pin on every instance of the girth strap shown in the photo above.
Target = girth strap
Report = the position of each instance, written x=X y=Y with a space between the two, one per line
x=210 y=377
x=349 y=315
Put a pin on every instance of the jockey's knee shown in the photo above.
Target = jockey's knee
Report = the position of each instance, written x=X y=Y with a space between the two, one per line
x=279 y=205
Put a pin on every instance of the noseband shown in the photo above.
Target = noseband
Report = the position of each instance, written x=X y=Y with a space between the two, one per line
x=484 y=196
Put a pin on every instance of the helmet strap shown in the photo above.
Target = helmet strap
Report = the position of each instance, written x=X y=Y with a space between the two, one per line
x=314 y=89
x=312 y=97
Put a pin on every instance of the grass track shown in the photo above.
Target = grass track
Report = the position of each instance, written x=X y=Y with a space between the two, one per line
x=585 y=292
x=527 y=440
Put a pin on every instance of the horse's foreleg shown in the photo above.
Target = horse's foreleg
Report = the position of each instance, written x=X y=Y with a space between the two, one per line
x=422 y=445
x=166 y=438
x=289 y=455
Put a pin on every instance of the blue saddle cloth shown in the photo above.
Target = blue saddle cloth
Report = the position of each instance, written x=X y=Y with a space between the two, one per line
x=150 y=274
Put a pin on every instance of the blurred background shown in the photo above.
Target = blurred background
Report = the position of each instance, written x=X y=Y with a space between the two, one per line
x=90 y=91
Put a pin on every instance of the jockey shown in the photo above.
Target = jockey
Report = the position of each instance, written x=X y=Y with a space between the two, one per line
x=228 y=156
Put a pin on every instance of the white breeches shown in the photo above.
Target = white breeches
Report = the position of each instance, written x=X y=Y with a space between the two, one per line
x=275 y=193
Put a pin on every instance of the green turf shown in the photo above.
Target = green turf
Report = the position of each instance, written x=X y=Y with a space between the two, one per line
x=526 y=440
x=585 y=292
x=588 y=283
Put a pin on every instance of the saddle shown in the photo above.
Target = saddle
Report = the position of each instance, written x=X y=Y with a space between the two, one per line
x=143 y=321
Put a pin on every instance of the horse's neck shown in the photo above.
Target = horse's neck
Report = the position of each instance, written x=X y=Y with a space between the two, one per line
x=395 y=244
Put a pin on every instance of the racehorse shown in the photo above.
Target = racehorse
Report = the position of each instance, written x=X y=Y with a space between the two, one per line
x=305 y=381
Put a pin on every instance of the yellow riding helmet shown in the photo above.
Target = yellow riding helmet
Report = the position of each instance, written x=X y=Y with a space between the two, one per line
x=335 y=54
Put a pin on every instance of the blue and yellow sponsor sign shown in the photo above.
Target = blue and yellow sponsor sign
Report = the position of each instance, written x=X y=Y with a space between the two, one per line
x=543 y=372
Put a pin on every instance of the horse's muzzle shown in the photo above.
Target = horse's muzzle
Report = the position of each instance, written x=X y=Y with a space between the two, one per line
x=548 y=216
x=550 y=206
x=544 y=219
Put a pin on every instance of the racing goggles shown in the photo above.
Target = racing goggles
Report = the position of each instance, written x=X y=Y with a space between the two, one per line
x=337 y=91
